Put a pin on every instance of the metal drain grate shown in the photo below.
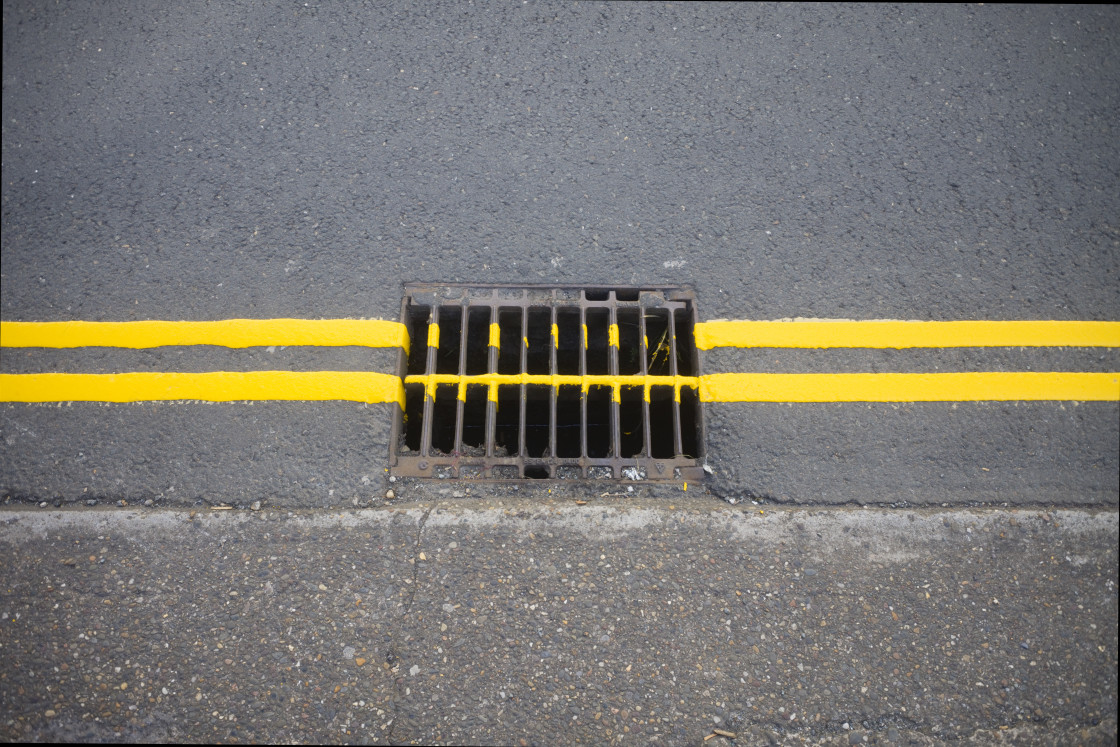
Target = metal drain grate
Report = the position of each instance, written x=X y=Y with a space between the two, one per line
x=549 y=382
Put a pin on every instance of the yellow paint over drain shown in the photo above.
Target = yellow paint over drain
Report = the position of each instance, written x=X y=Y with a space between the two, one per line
x=493 y=380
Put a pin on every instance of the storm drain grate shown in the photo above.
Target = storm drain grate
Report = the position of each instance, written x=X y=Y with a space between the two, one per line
x=552 y=382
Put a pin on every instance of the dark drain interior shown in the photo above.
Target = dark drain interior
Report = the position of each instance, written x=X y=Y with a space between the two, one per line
x=551 y=382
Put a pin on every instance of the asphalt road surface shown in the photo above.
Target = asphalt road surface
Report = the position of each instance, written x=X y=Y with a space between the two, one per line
x=517 y=622
x=305 y=160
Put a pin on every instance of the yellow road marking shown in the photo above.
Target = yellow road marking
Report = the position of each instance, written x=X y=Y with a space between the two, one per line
x=216 y=386
x=725 y=387
x=495 y=335
x=225 y=386
x=230 y=333
x=494 y=380
x=886 y=333
x=910 y=387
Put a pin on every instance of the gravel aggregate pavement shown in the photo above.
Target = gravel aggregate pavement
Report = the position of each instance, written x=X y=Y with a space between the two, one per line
x=510 y=622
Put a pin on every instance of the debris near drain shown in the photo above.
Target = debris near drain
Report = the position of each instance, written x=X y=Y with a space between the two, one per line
x=221 y=508
x=720 y=733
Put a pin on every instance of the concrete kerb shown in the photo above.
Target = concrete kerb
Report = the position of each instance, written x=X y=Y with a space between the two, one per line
x=893 y=534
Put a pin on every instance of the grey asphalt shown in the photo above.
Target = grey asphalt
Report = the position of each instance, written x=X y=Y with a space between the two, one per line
x=304 y=160
x=522 y=622
x=197 y=161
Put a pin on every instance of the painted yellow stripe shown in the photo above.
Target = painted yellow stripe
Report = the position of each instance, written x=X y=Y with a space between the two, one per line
x=612 y=336
x=495 y=336
x=494 y=380
x=217 y=386
x=553 y=379
x=223 y=386
x=909 y=387
x=433 y=335
x=841 y=333
x=230 y=333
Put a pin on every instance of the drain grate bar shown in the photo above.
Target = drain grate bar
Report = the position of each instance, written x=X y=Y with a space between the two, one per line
x=549 y=382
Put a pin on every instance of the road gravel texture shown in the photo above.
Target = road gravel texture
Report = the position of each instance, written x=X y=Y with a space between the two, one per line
x=210 y=162
x=514 y=622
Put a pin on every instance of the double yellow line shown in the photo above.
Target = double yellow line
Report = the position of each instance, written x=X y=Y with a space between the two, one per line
x=726 y=387
x=907 y=387
x=217 y=386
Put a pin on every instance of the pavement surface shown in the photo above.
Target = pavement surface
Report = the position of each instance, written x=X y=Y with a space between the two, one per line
x=201 y=162
x=522 y=622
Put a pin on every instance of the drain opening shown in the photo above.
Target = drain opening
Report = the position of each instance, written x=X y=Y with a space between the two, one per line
x=598 y=422
x=507 y=428
x=657 y=342
x=413 y=416
x=662 y=423
x=478 y=328
x=474 y=421
x=443 y=419
x=568 y=438
x=569 y=339
x=450 y=328
x=598 y=353
x=538 y=349
x=509 y=350
x=629 y=342
x=690 y=422
x=538 y=408
x=685 y=345
x=631 y=436
x=416 y=319
x=549 y=383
